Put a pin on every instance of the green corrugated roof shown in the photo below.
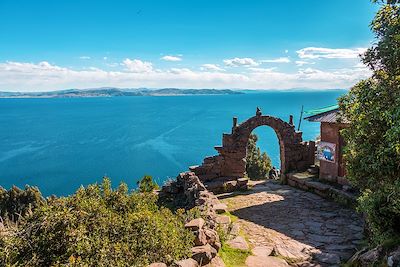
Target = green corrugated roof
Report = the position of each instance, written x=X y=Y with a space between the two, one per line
x=313 y=112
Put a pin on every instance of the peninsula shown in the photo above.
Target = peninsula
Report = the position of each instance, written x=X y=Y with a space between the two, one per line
x=114 y=92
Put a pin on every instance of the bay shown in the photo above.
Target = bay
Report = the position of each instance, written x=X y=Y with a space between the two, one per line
x=59 y=144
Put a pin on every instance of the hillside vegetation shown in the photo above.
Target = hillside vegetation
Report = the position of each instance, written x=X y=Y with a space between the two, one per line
x=96 y=226
x=373 y=138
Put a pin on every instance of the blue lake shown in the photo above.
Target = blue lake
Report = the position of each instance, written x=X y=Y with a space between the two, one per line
x=60 y=144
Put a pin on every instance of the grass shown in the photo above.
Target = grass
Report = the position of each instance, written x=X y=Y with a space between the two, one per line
x=233 y=257
x=230 y=215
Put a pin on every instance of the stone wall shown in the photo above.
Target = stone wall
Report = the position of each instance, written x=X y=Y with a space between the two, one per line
x=295 y=155
x=188 y=192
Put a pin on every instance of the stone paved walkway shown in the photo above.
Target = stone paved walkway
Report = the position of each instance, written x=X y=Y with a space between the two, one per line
x=302 y=228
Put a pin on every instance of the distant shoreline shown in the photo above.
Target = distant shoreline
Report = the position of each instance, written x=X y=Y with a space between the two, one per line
x=117 y=92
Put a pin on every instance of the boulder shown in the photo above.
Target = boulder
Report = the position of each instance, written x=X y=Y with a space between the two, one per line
x=238 y=243
x=195 y=224
x=201 y=238
x=292 y=250
x=394 y=258
x=220 y=208
x=187 y=263
x=223 y=219
x=370 y=256
x=203 y=254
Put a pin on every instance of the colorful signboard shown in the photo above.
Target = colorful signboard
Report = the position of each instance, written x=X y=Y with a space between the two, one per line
x=326 y=151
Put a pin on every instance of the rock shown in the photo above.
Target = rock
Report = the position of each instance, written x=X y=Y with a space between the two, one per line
x=187 y=263
x=394 y=258
x=195 y=224
x=211 y=236
x=158 y=264
x=235 y=229
x=238 y=243
x=223 y=219
x=217 y=262
x=268 y=261
x=262 y=251
x=220 y=208
x=328 y=258
x=203 y=254
x=370 y=256
x=201 y=238
x=293 y=251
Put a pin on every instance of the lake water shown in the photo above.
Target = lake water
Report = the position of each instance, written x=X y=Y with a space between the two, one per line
x=60 y=144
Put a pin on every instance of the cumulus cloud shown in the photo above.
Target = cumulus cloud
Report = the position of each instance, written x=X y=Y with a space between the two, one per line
x=276 y=60
x=211 y=67
x=321 y=52
x=302 y=62
x=240 y=62
x=44 y=76
x=137 y=65
x=171 y=58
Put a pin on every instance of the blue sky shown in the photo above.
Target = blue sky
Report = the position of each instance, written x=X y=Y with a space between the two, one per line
x=51 y=45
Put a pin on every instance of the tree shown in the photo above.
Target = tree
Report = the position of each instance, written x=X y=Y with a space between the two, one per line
x=147 y=184
x=372 y=106
x=257 y=164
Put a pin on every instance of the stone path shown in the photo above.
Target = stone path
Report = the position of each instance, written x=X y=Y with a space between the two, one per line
x=301 y=227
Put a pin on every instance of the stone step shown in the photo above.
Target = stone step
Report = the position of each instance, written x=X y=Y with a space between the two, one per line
x=310 y=182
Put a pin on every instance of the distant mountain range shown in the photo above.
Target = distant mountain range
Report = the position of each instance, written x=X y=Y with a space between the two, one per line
x=114 y=92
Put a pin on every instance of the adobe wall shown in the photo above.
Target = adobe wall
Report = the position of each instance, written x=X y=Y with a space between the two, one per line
x=330 y=171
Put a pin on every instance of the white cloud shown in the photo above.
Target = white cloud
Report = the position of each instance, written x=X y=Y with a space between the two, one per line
x=302 y=62
x=171 y=58
x=84 y=57
x=237 y=62
x=105 y=58
x=43 y=76
x=321 y=52
x=137 y=66
x=276 y=60
x=211 y=67
x=262 y=69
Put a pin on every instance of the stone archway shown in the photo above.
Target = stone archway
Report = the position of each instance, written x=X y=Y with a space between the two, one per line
x=230 y=163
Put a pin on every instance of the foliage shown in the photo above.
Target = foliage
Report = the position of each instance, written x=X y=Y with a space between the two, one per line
x=257 y=164
x=16 y=202
x=373 y=139
x=147 y=184
x=97 y=226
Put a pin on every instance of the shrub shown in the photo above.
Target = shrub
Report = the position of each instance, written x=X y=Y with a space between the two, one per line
x=146 y=184
x=15 y=203
x=257 y=164
x=98 y=226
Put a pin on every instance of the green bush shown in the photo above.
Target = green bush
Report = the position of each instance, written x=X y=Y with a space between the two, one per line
x=97 y=226
x=372 y=106
x=257 y=164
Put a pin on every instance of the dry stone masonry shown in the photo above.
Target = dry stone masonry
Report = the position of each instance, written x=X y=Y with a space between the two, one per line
x=187 y=192
x=230 y=163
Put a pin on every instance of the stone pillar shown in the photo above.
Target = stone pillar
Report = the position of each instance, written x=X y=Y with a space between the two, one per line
x=291 y=120
x=234 y=123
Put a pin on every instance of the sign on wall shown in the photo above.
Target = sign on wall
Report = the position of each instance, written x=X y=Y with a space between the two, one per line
x=326 y=151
